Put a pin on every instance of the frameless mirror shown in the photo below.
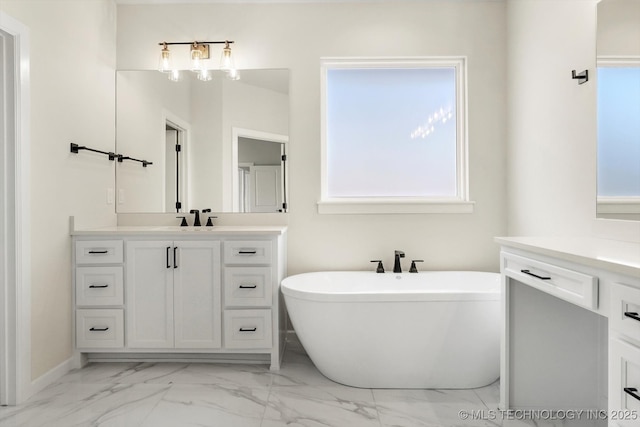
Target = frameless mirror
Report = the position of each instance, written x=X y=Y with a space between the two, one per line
x=218 y=144
x=618 y=94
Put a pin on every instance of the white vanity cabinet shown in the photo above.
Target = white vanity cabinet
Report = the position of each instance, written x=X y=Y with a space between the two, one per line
x=571 y=327
x=171 y=293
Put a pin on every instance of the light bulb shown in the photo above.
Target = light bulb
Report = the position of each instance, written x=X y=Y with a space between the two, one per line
x=164 y=64
x=196 y=58
x=226 y=61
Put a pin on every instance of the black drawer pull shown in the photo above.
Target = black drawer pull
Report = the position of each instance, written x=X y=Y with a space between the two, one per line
x=106 y=328
x=175 y=263
x=247 y=252
x=248 y=286
x=98 y=286
x=631 y=392
x=248 y=329
x=632 y=314
x=168 y=248
x=535 y=275
x=99 y=252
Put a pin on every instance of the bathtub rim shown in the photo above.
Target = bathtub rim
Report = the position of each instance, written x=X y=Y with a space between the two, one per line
x=391 y=295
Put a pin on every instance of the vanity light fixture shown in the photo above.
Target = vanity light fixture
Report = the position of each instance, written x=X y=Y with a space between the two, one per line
x=199 y=53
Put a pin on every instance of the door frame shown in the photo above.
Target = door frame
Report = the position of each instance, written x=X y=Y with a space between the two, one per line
x=236 y=134
x=15 y=283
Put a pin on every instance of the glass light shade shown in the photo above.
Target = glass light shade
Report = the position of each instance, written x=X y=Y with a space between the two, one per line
x=204 y=75
x=233 y=74
x=226 y=60
x=196 y=59
x=165 y=63
x=174 y=75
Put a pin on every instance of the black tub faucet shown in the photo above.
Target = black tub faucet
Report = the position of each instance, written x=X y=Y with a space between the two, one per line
x=396 y=265
x=196 y=220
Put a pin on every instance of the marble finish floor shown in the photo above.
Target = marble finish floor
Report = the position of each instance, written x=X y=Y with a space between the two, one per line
x=230 y=395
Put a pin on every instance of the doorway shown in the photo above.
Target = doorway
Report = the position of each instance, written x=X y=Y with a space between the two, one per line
x=15 y=286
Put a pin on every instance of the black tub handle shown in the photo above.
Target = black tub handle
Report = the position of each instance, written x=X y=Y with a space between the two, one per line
x=248 y=329
x=106 y=328
x=535 y=275
x=632 y=392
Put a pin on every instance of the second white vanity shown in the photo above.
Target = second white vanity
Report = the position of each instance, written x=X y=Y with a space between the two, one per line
x=571 y=327
x=179 y=293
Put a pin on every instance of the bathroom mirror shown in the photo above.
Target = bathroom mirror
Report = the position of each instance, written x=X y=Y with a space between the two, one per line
x=219 y=144
x=618 y=95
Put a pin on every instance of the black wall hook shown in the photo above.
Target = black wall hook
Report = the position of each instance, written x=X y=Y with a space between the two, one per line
x=583 y=77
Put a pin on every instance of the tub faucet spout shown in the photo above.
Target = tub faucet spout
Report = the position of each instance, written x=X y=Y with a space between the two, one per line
x=396 y=265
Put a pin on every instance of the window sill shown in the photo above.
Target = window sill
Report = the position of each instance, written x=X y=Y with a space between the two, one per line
x=618 y=205
x=394 y=206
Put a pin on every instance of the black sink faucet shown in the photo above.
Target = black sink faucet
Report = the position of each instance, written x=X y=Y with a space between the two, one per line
x=196 y=220
x=396 y=265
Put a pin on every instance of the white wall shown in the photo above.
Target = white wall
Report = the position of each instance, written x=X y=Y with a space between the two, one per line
x=551 y=119
x=72 y=86
x=296 y=36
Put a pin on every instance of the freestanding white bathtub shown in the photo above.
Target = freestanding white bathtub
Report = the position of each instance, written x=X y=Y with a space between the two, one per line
x=425 y=330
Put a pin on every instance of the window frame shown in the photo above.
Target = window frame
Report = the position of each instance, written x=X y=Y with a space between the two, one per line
x=460 y=203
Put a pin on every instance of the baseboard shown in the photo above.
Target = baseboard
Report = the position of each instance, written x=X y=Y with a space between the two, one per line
x=48 y=378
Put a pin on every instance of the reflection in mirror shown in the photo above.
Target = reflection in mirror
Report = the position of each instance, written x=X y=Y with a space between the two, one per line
x=193 y=132
x=618 y=47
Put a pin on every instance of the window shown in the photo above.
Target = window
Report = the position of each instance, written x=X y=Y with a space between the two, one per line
x=618 y=136
x=393 y=136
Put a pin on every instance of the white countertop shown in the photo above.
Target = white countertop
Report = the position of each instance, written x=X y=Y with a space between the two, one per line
x=613 y=255
x=172 y=230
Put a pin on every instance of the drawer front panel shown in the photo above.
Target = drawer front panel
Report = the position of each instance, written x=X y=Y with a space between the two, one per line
x=247 y=287
x=248 y=329
x=624 y=314
x=99 y=252
x=624 y=382
x=97 y=286
x=96 y=328
x=572 y=286
x=247 y=252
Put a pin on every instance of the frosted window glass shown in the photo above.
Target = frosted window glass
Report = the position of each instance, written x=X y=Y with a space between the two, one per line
x=619 y=131
x=391 y=132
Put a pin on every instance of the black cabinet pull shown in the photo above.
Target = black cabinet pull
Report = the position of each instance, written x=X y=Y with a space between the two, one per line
x=98 y=286
x=168 y=248
x=99 y=252
x=535 y=275
x=248 y=286
x=632 y=314
x=106 y=328
x=631 y=392
x=247 y=252
x=175 y=263
x=248 y=329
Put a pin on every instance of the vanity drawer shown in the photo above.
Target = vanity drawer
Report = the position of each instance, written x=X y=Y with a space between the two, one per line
x=99 y=328
x=248 y=329
x=99 y=286
x=247 y=287
x=247 y=252
x=624 y=314
x=570 y=285
x=624 y=382
x=99 y=252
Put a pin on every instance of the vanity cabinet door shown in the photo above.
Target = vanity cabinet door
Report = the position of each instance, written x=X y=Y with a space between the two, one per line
x=149 y=294
x=197 y=305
